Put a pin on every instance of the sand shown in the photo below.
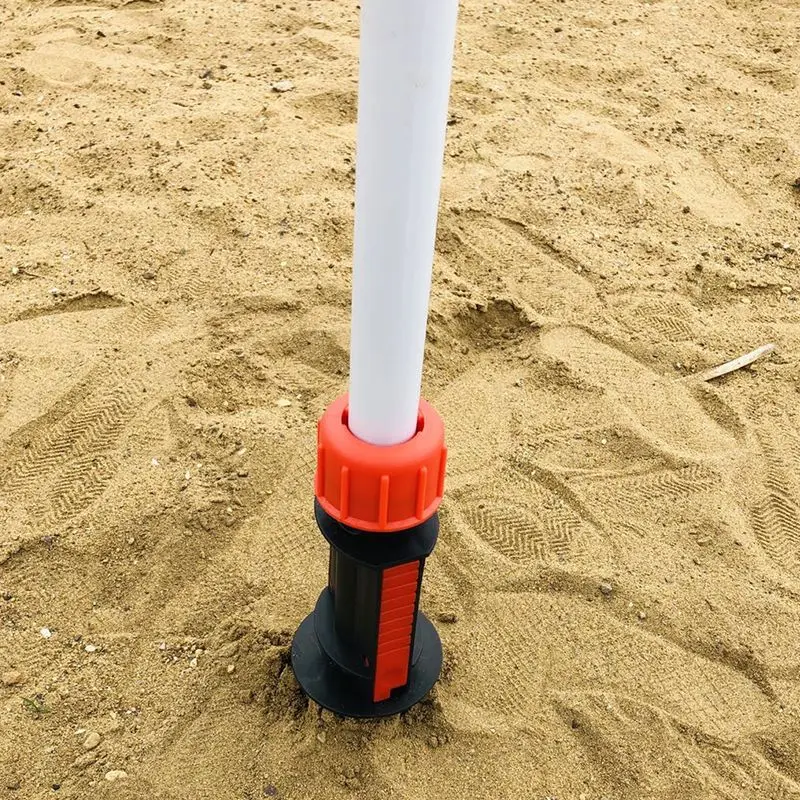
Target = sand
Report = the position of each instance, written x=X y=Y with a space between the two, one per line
x=620 y=544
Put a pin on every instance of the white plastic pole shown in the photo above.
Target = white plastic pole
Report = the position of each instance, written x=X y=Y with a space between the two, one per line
x=404 y=87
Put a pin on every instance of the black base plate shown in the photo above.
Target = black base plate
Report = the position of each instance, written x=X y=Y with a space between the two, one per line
x=350 y=696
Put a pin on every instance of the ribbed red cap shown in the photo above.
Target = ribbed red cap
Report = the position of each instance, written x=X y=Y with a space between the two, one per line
x=374 y=488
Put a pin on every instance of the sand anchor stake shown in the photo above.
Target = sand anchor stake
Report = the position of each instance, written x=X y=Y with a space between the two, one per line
x=366 y=650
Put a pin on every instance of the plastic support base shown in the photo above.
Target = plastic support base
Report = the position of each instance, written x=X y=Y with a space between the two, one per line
x=350 y=695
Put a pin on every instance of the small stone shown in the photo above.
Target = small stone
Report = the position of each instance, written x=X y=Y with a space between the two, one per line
x=230 y=668
x=642 y=615
x=45 y=632
x=448 y=617
x=606 y=588
x=54 y=291
x=91 y=740
x=283 y=402
x=149 y=276
x=321 y=737
x=12 y=678
x=116 y=775
x=90 y=648
x=686 y=209
x=786 y=289
x=433 y=741
x=228 y=650
x=84 y=760
x=242 y=473
x=282 y=86
x=193 y=662
x=12 y=783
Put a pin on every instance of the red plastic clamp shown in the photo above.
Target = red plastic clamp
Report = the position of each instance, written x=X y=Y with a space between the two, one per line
x=379 y=489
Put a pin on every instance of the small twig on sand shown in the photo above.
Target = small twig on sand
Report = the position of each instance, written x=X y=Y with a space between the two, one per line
x=736 y=363
x=24 y=271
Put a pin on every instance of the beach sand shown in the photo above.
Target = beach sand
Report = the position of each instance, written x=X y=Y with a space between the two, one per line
x=617 y=581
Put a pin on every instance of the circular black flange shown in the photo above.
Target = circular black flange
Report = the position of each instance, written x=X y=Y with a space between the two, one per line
x=351 y=696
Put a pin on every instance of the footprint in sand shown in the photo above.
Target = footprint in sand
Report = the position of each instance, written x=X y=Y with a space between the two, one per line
x=550 y=282
x=775 y=510
x=550 y=645
x=62 y=57
x=524 y=532
x=663 y=410
x=59 y=456
x=670 y=318
x=695 y=179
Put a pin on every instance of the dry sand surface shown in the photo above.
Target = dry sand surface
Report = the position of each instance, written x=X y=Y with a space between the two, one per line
x=619 y=565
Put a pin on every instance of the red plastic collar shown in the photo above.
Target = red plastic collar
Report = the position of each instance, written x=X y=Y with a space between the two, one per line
x=379 y=489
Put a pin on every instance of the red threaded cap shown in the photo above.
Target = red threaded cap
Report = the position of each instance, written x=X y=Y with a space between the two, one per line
x=374 y=488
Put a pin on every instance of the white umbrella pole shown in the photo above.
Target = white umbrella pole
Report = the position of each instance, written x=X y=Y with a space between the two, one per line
x=404 y=86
